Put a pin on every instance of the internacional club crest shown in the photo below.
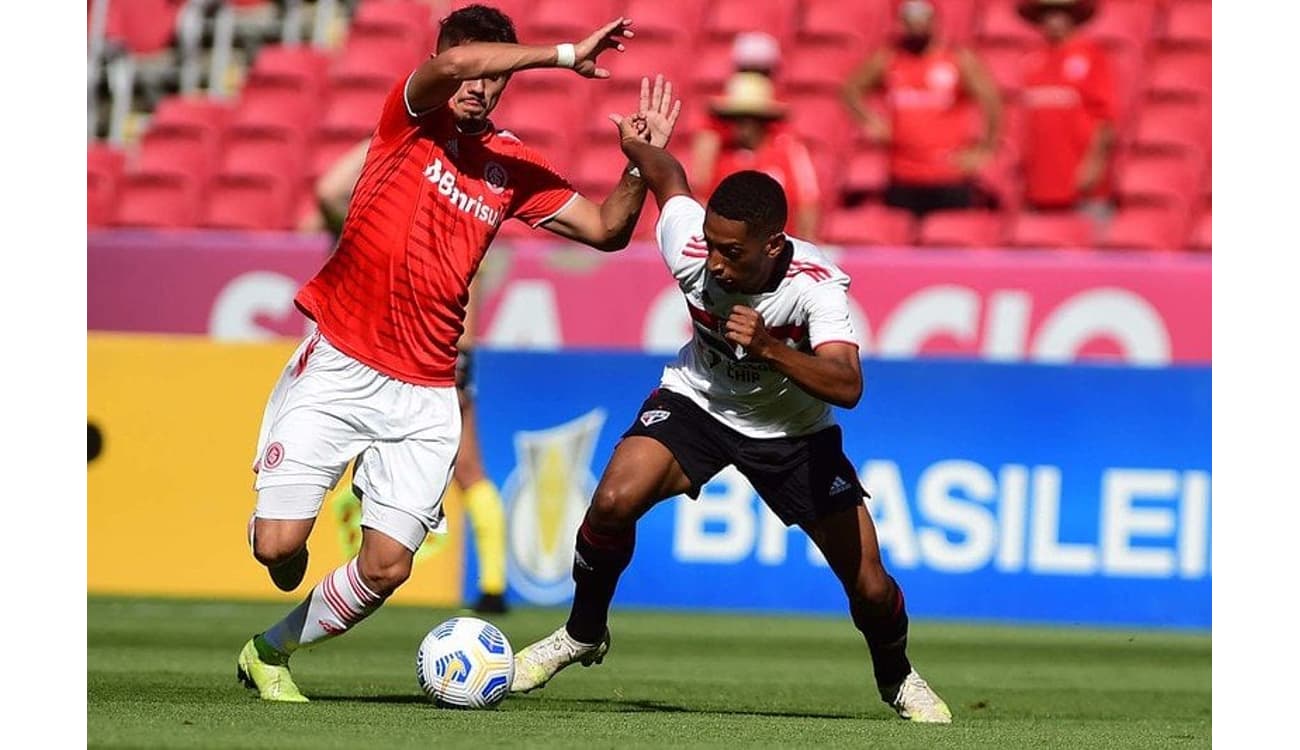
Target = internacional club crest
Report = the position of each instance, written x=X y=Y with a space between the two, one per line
x=495 y=176
x=548 y=493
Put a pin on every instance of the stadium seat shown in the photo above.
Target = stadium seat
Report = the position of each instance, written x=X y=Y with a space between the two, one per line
x=709 y=68
x=868 y=225
x=105 y=160
x=265 y=202
x=1188 y=24
x=723 y=19
x=372 y=62
x=961 y=229
x=402 y=22
x=265 y=153
x=866 y=173
x=352 y=113
x=820 y=120
x=817 y=68
x=568 y=19
x=957 y=20
x=1122 y=24
x=104 y=166
x=293 y=67
x=1050 y=230
x=552 y=134
x=1180 y=126
x=157 y=201
x=1145 y=229
x=858 y=26
x=597 y=171
x=643 y=58
x=1159 y=179
x=656 y=19
x=207 y=114
x=175 y=153
x=327 y=150
x=1179 y=74
x=1201 y=236
x=999 y=26
x=143 y=27
x=274 y=108
x=1005 y=66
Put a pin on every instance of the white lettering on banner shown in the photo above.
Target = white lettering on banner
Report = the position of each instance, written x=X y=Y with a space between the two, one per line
x=1112 y=313
x=1007 y=325
x=246 y=297
x=1122 y=520
x=939 y=489
x=945 y=309
x=1151 y=523
x=1046 y=553
x=527 y=318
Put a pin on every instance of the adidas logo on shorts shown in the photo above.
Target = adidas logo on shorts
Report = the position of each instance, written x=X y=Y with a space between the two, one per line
x=840 y=485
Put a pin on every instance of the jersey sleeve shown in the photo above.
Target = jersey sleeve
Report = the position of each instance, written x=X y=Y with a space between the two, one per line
x=827 y=306
x=680 y=234
x=542 y=193
x=396 y=117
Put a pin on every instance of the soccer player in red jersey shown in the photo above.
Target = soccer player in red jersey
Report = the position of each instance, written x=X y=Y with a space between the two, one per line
x=376 y=381
x=773 y=348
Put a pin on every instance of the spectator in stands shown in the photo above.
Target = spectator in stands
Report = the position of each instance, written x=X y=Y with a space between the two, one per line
x=934 y=153
x=1070 y=111
x=751 y=52
x=752 y=140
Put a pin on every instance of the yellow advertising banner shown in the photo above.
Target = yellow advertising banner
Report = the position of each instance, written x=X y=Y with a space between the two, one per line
x=171 y=492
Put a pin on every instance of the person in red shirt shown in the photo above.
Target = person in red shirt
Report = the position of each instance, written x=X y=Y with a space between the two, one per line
x=751 y=52
x=755 y=141
x=376 y=381
x=934 y=148
x=1070 y=110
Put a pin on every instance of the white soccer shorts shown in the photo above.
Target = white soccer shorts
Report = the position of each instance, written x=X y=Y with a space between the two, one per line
x=326 y=409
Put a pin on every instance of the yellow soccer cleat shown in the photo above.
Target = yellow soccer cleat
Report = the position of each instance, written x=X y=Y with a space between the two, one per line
x=271 y=681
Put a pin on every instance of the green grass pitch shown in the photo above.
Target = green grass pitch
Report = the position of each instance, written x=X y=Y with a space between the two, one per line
x=161 y=673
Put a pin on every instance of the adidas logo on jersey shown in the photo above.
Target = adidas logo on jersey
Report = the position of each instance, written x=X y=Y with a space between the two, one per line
x=840 y=485
x=445 y=180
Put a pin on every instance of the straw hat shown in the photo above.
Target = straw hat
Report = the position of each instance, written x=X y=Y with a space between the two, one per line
x=749 y=95
x=1080 y=10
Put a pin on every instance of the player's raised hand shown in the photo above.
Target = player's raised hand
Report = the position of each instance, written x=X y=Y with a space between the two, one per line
x=631 y=126
x=659 y=110
x=609 y=36
x=745 y=328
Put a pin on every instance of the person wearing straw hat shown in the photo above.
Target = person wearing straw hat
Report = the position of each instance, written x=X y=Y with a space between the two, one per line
x=1071 y=107
x=935 y=151
x=753 y=141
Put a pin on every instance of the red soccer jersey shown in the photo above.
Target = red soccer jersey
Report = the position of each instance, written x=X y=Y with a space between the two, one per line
x=1068 y=94
x=427 y=205
x=930 y=118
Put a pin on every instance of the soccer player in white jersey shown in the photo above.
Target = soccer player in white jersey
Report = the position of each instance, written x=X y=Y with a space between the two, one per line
x=773 y=349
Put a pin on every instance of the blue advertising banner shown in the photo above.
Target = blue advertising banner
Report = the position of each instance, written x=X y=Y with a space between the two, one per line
x=1014 y=492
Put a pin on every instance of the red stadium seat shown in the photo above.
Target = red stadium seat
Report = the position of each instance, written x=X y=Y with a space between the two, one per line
x=961 y=229
x=352 y=113
x=1173 y=126
x=866 y=173
x=1159 y=179
x=293 y=67
x=105 y=160
x=817 y=68
x=1201 y=236
x=275 y=109
x=1122 y=23
x=1188 y=24
x=144 y=27
x=1006 y=67
x=1000 y=26
x=1050 y=230
x=405 y=22
x=723 y=19
x=656 y=19
x=567 y=19
x=644 y=58
x=104 y=165
x=175 y=153
x=710 y=67
x=328 y=149
x=551 y=134
x=265 y=202
x=157 y=201
x=371 y=62
x=859 y=26
x=868 y=225
x=957 y=20
x=820 y=120
x=207 y=114
x=1179 y=74
x=1145 y=229
x=597 y=171
x=265 y=154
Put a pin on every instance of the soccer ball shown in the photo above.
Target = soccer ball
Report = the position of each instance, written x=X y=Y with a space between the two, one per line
x=465 y=662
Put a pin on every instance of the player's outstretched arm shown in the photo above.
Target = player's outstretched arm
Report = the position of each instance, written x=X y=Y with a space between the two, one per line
x=663 y=174
x=437 y=78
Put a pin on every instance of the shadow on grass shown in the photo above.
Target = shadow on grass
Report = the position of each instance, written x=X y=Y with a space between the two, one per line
x=607 y=705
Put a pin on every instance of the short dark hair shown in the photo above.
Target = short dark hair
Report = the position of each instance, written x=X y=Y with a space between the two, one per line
x=475 y=23
x=752 y=197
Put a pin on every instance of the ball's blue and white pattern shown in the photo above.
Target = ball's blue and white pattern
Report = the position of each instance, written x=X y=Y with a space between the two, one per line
x=465 y=662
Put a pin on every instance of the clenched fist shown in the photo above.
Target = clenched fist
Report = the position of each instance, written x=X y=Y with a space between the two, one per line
x=745 y=328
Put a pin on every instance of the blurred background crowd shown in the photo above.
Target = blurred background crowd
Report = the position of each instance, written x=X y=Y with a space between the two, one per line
x=947 y=123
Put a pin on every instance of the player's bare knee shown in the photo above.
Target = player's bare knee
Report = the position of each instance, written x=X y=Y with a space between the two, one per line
x=613 y=509
x=874 y=587
x=273 y=549
x=384 y=576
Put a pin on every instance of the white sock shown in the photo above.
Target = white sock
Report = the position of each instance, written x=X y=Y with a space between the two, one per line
x=338 y=602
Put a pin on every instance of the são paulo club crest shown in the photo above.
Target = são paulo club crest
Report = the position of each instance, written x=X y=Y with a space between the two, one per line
x=547 y=494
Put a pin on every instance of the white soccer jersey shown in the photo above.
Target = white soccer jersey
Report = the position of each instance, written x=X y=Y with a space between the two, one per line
x=807 y=309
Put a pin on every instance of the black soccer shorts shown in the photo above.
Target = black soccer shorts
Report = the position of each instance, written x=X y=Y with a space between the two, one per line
x=802 y=479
